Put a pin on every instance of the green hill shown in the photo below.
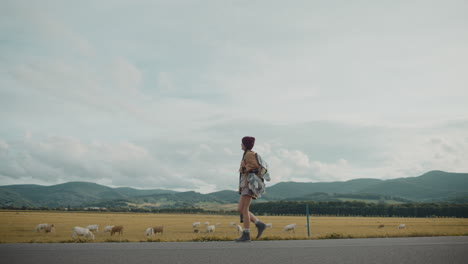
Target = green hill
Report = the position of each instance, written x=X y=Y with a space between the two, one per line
x=432 y=186
x=227 y=196
x=74 y=194
x=285 y=190
x=12 y=198
x=163 y=200
x=61 y=195
x=131 y=192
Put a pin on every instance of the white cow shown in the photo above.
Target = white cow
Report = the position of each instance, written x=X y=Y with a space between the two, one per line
x=218 y=224
x=270 y=225
x=149 y=232
x=291 y=227
x=93 y=228
x=402 y=226
x=108 y=228
x=195 y=224
x=81 y=231
x=207 y=223
x=233 y=224
x=210 y=229
x=47 y=227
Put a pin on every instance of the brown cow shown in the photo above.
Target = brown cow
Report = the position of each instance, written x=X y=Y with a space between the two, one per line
x=117 y=229
x=158 y=229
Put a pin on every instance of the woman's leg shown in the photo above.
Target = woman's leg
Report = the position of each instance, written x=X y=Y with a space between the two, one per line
x=243 y=208
x=244 y=204
x=252 y=217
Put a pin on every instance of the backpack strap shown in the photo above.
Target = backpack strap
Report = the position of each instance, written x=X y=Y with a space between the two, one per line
x=256 y=156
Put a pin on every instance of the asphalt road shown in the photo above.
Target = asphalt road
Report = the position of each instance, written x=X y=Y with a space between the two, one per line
x=360 y=251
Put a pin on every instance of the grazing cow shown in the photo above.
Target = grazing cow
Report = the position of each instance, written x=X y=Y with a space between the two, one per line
x=381 y=226
x=402 y=226
x=117 y=229
x=50 y=228
x=210 y=229
x=218 y=224
x=108 y=228
x=233 y=224
x=158 y=229
x=149 y=232
x=270 y=225
x=47 y=227
x=195 y=224
x=239 y=229
x=93 y=228
x=207 y=223
x=81 y=231
x=291 y=227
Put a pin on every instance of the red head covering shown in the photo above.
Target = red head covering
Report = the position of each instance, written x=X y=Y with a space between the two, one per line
x=248 y=142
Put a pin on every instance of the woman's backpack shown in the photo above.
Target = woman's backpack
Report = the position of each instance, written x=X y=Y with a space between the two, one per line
x=262 y=168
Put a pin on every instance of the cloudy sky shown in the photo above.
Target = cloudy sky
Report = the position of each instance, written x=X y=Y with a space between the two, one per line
x=158 y=94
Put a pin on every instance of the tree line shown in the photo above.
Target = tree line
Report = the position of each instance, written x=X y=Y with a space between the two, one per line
x=184 y=210
x=341 y=208
x=357 y=208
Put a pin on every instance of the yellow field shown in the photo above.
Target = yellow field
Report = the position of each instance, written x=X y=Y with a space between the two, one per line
x=18 y=226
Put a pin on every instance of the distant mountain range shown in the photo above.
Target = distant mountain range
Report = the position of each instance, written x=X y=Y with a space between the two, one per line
x=434 y=186
x=431 y=186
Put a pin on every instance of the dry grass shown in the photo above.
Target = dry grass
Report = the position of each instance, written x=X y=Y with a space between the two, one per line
x=18 y=226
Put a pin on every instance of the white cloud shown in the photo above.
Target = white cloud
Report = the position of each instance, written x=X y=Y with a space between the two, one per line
x=187 y=164
x=3 y=146
x=446 y=153
x=331 y=92
x=59 y=159
x=165 y=83
x=295 y=165
x=228 y=151
x=35 y=23
x=126 y=76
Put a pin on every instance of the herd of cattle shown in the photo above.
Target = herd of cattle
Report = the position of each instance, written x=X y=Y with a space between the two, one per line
x=87 y=232
x=212 y=228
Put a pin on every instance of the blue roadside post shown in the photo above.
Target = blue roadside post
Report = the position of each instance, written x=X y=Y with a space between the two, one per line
x=308 y=225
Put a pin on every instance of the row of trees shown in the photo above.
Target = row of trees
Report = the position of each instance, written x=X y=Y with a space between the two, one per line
x=346 y=208
x=182 y=210
x=329 y=197
x=356 y=208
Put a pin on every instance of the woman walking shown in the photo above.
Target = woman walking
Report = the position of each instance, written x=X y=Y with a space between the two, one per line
x=249 y=164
